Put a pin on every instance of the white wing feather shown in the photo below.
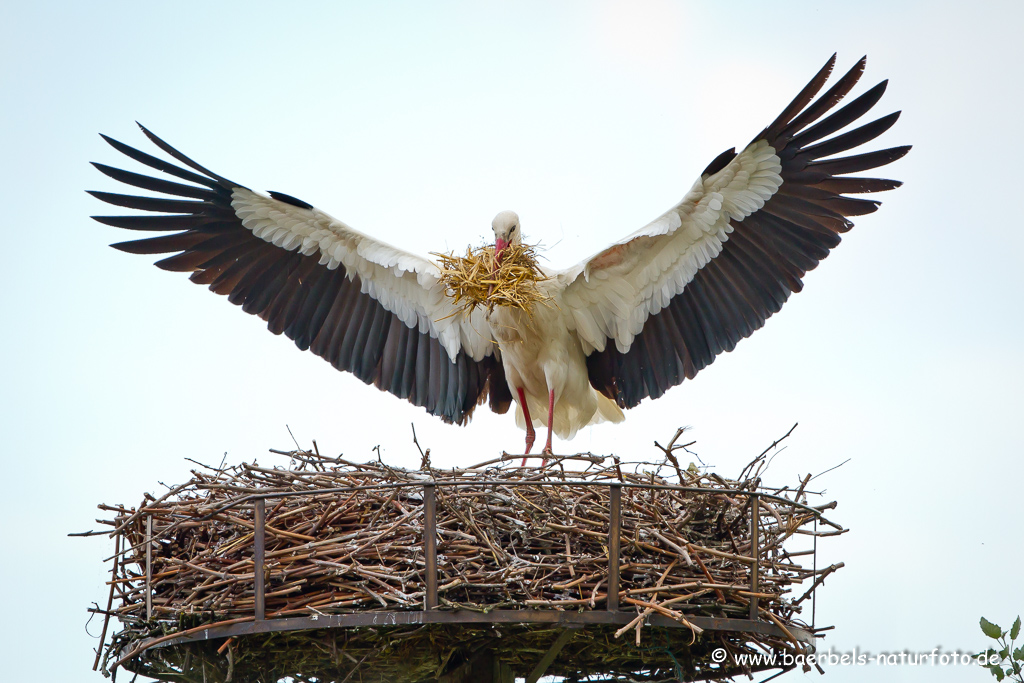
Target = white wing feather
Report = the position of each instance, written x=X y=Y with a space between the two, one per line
x=611 y=294
x=405 y=284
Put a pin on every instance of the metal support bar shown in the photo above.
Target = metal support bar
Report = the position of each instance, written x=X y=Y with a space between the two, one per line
x=149 y=566
x=259 y=559
x=814 y=566
x=614 y=530
x=430 y=544
x=549 y=656
x=551 y=618
x=755 y=513
x=503 y=673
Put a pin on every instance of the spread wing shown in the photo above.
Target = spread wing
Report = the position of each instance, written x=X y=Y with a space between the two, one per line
x=660 y=305
x=366 y=307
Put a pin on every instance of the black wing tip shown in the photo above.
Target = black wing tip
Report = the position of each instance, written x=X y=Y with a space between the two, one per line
x=825 y=72
x=153 y=137
x=148 y=133
x=870 y=206
x=116 y=144
x=132 y=247
x=130 y=151
x=128 y=222
x=171 y=265
x=858 y=67
x=108 y=197
x=208 y=177
x=105 y=169
x=876 y=91
x=890 y=118
x=803 y=99
x=901 y=151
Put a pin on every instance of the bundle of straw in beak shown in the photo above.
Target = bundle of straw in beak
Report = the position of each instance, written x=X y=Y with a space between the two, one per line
x=476 y=280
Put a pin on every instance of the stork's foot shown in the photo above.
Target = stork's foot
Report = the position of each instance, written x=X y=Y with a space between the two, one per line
x=529 y=447
x=530 y=438
x=551 y=421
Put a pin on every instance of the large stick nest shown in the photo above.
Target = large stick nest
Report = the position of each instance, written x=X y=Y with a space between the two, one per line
x=500 y=546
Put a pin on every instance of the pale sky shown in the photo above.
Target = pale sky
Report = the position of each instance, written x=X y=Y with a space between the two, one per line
x=416 y=123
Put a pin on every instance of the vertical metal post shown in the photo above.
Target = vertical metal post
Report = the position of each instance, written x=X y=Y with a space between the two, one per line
x=614 y=523
x=755 y=513
x=430 y=544
x=814 y=594
x=259 y=559
x=149 y=566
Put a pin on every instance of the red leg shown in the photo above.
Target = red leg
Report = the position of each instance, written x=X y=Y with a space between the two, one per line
x=551 y=421
x=530 y=434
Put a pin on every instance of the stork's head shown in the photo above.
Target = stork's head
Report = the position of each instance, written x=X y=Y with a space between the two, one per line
x=506 y=231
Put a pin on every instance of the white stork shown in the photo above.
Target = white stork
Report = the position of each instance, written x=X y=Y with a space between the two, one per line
x=628 y=323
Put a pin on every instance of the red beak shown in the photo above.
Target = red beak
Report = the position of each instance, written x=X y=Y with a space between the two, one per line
x=499 y=246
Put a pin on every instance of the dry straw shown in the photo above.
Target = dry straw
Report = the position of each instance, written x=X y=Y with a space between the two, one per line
x=474 y=279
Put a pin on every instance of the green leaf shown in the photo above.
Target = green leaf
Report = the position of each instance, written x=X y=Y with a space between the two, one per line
x=1018 y=654
x=997 y=672
x=990 y=629
x=1004 y=653
x=1015 y=631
